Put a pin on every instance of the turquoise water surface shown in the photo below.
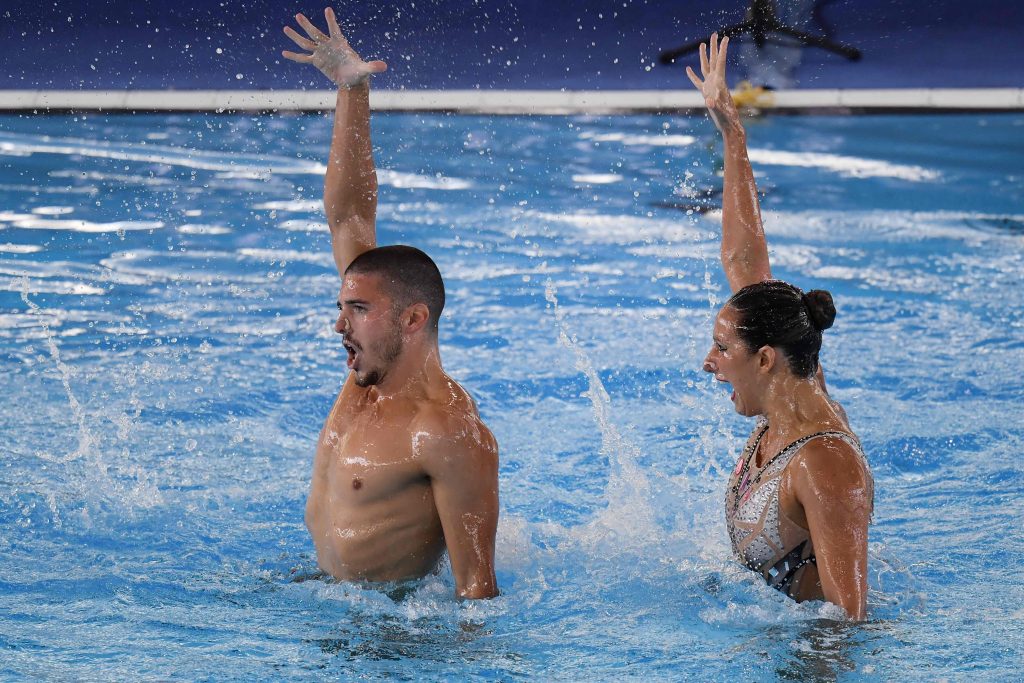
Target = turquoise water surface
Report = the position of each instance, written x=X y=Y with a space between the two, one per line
x=167 y=299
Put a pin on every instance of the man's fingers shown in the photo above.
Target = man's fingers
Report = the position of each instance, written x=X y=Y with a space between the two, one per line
x=296 y=57
x=377 y=66
x=333 y=28
x=705 y=69
x=699 y=84
x=316 y=34
x=304 y=43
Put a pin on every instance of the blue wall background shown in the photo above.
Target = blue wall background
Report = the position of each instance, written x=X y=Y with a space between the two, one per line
x=518 y=44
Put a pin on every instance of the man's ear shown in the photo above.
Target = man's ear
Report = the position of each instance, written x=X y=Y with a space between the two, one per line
x=415 y=318
x=767 y=357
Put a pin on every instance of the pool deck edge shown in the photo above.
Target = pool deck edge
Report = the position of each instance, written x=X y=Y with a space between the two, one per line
x=511 y=101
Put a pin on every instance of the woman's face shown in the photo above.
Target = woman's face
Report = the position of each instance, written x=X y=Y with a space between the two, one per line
x=730 y=361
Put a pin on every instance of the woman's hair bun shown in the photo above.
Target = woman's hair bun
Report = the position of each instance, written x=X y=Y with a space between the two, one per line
x=820 y=308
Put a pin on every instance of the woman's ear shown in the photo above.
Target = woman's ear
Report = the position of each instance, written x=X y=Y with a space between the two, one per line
x=767 y=357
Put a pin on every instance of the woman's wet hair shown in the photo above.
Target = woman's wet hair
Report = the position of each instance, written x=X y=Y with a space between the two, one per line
x=409 y=275
x=775 y=313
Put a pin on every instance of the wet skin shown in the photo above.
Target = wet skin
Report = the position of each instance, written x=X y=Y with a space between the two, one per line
x=404 y=467
x=826 y=488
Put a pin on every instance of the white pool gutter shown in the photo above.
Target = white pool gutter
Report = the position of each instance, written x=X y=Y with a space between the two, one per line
x=509 y=101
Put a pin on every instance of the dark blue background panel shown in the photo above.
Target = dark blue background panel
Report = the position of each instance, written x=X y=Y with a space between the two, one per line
x=516 y=44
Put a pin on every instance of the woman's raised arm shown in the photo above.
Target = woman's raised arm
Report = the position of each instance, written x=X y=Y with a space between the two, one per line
x=744 y=249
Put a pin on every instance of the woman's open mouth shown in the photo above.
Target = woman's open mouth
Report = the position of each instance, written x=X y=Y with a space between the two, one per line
x=721 y=378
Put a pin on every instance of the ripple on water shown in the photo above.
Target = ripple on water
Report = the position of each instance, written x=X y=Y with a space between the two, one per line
x=203 y=229
x=200 y=386
x=11 y=248
x=853 y=167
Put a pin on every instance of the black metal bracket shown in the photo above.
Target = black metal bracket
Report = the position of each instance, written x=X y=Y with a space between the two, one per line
x=761 y=23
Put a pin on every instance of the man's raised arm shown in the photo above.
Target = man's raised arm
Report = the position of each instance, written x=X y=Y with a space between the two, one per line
x=350 y=185
x=744 y=249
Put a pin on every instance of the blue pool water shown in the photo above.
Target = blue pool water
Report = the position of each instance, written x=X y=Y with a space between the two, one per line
x=167 y=297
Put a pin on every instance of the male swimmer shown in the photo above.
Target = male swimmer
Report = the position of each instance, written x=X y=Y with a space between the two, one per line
x=800 y=499
x=404 y=467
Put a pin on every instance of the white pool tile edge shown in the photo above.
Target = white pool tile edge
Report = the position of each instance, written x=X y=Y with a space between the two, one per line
x=504 y=101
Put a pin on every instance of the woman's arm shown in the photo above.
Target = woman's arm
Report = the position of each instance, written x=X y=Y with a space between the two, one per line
x=744 y=249
x=830 y=483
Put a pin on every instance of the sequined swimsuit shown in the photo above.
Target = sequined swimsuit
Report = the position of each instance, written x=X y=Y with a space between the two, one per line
x=762 y=535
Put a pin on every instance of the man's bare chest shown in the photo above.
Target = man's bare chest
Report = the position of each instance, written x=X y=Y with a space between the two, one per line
x=368 y=456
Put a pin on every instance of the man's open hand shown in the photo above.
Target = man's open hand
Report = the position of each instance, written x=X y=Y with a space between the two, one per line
x=330 y=53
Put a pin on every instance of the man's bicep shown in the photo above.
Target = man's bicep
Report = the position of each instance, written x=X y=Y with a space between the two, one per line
x=465 y=488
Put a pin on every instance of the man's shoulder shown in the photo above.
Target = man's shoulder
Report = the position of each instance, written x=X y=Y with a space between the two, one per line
x=450 y=403
x=450 y=427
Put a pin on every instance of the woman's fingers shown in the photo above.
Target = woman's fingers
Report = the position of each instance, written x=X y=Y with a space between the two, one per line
x=699 y=84
x=714 y=49
x=304 y=43
x=376 y=66
x=705 y=68
x=723 y=49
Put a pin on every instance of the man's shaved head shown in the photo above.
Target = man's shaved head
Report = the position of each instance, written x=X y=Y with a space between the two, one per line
x=409 y=277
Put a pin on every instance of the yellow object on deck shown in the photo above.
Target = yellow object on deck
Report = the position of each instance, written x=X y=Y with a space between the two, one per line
x=746 y=96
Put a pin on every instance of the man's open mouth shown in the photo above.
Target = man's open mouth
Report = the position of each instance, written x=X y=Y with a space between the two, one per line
x=352 y=352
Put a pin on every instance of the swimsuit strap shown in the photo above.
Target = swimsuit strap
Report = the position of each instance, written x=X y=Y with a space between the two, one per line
x=793 y=447
x=741 y=475
x=799 y=443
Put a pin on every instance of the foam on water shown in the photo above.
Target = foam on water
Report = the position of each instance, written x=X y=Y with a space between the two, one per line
x=299 y=205
x=298 y=225
x=53 y=210
x=596 y=178
x=240 y=166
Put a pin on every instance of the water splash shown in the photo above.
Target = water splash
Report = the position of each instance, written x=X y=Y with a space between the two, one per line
x=94 y=485
x=628 y=519
x=86 y=439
